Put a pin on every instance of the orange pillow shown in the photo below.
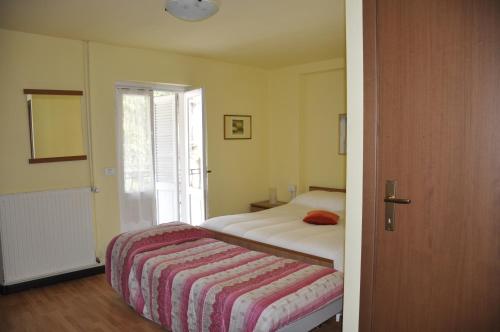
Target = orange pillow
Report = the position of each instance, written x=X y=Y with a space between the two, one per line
x=321 y=217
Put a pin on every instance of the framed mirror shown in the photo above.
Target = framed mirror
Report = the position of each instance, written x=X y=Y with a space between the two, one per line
x=55 y=125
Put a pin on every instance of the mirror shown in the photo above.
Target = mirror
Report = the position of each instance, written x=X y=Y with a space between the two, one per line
x=55 y=123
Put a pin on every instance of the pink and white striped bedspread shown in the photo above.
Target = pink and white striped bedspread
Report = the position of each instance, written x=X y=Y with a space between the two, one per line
x=177 y=276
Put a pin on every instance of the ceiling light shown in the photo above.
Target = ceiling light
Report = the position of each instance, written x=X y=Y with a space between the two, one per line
x=192 y=10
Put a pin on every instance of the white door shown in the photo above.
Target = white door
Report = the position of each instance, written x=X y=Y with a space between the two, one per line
x=193 y=179
x=166 y=155
x=161 y=156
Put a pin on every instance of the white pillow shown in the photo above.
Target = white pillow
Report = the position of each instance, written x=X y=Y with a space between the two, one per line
x=322 y=200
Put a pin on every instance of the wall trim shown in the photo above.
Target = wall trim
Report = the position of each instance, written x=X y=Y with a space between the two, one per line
x=14 y=288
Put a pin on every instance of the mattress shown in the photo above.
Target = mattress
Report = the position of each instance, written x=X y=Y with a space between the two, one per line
x=283 y=227
x=176 y=276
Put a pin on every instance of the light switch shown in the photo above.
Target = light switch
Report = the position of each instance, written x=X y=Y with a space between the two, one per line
x=110 y=171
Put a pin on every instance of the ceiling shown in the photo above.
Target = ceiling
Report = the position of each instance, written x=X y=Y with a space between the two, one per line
x=262 y=33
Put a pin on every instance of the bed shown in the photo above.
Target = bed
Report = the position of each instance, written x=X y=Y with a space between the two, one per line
x=281 y=231
x=181 y=278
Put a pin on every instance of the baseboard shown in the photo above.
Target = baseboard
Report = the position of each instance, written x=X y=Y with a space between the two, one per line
x=14 y=288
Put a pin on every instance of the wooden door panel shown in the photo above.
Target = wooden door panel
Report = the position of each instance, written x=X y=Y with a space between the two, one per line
x=437 y=98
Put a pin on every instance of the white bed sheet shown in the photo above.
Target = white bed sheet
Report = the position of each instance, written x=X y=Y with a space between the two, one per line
x=283 y=227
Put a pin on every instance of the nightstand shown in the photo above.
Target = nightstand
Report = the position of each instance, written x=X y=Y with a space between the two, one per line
x=264 y=205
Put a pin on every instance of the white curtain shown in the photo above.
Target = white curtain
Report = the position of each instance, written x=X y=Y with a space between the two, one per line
x=135 y=159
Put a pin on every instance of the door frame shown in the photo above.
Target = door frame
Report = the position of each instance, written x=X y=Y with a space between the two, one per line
x=354 y=176
x=179 y=89
x=205 y=150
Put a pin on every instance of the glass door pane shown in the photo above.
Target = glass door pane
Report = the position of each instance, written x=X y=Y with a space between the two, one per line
x=135 y=159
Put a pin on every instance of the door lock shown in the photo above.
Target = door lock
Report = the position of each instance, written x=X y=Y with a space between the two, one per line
x=390 y=204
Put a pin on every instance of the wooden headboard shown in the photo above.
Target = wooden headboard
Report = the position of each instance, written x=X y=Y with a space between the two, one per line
x=311 y=188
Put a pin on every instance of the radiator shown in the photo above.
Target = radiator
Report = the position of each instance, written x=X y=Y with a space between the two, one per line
x=45 y=233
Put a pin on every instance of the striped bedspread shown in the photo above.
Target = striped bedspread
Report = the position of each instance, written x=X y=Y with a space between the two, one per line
x=183 y=280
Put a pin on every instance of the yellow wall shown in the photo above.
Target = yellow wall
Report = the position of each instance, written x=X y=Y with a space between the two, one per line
x=286 y=105
x=303 y=104
x=57 y=125
x=35 y=62
x=239 y=167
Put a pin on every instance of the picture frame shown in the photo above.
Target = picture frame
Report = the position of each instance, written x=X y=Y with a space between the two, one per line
x=342 y=134
x=237 y=126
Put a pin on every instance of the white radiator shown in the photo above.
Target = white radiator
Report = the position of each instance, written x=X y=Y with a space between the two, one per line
x=45 y=233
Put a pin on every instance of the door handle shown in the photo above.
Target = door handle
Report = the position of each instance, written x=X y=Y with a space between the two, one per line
x=194 y=171
x=390 y=204
x=392 y=199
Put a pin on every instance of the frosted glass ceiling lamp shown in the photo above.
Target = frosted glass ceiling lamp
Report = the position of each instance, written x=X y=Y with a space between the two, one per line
x=192 y=10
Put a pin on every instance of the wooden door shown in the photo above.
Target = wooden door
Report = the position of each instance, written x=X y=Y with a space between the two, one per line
x=432 y=122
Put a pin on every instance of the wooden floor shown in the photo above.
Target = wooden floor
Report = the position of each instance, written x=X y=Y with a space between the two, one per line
x=87 y=304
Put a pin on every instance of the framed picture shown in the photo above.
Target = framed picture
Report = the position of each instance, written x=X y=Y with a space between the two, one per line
x=237 y=126
x=342 y=133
